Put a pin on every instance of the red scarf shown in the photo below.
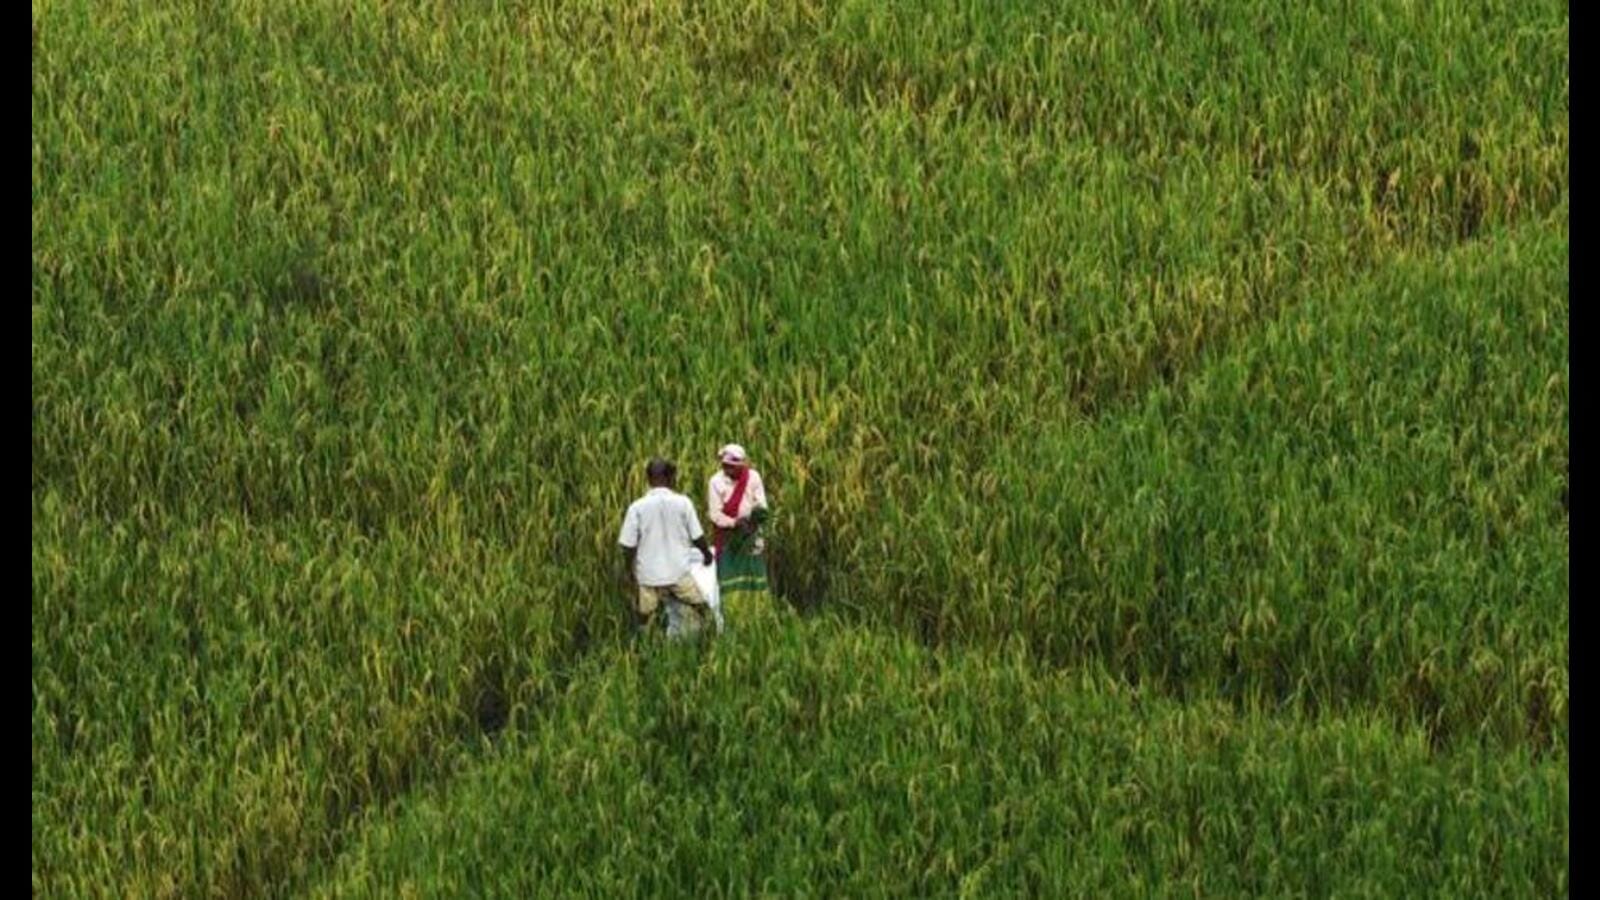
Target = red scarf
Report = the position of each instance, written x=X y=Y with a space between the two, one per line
x=731 y=507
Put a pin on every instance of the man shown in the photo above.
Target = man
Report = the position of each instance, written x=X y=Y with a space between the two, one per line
x=657 y=533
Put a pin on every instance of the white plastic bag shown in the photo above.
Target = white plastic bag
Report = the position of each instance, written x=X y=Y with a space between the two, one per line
x=705 y=578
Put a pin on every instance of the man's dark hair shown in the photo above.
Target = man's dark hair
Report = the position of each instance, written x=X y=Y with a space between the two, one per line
x=660 y=471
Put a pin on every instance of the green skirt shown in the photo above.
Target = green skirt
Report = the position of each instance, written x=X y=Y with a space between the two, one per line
x=741 y=581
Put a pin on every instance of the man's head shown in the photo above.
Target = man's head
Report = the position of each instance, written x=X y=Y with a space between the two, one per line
x=660 y=473
x=733 y=459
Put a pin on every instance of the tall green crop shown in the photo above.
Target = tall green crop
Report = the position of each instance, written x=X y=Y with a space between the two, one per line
x=1217 y=349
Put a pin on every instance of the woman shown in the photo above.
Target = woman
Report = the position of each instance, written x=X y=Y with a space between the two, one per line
x=737 y=504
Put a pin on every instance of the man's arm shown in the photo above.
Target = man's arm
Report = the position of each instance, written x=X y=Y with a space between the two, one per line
x=627 y=579
x=697 y=535
x=628 y=540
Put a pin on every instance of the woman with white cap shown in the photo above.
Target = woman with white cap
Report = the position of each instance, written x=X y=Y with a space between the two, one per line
x=734 y=497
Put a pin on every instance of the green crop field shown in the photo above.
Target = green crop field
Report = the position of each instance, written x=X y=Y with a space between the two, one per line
x=1164 y=406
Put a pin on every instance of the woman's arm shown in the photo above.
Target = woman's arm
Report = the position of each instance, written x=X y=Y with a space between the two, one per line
x=714 y=502
x=758 y=490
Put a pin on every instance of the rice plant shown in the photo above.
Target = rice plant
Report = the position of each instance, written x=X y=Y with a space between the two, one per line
x=1217 y=351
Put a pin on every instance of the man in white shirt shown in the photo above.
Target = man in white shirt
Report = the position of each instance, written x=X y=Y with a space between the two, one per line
x=657 y=533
